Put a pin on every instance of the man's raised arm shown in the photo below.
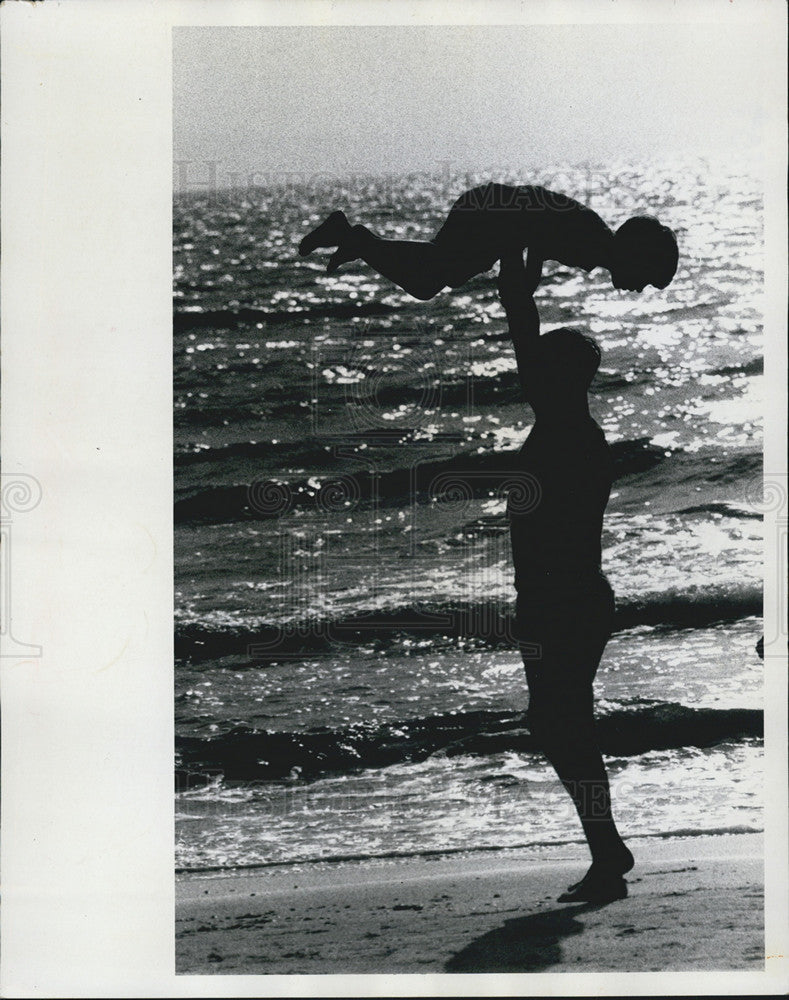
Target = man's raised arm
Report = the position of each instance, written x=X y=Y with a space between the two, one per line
x=517 y=284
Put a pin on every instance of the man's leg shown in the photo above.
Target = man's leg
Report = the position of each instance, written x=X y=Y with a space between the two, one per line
x=561 y=718
x=577 y=760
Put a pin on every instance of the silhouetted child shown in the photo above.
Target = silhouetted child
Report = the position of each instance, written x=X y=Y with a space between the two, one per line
x=491 y=221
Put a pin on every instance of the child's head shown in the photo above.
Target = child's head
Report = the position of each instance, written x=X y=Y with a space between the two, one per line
x=645 y=253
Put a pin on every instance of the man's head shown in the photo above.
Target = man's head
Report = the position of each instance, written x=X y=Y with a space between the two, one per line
x=645 y=253
x=565 y=364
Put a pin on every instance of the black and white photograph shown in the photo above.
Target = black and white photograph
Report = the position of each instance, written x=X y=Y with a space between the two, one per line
x=394 y=498
x=467 y=357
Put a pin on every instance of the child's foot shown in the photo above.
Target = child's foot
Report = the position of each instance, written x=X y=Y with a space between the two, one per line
x=330 y=233
x=341 y=256
x=348 y=250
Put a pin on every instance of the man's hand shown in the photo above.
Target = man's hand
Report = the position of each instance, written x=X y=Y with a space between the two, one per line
x=516 y=285
x=533 y=272
x=511 y=282
x=517 y=282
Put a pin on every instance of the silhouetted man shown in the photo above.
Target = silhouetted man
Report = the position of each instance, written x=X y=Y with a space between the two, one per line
x=565 y=605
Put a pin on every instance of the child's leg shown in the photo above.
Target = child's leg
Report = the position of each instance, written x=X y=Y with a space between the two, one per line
x=330 y=233
x=418 y=268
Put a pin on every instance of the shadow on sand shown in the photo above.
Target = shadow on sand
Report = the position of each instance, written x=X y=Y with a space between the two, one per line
x=525 y=944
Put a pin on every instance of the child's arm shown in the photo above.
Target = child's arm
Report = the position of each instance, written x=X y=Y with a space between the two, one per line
x=516 y=285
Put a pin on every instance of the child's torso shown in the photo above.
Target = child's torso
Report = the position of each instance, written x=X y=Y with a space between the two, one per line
x=528 y=215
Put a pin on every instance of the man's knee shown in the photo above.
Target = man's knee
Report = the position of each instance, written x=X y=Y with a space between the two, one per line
x=559 y=720
x=545 y=724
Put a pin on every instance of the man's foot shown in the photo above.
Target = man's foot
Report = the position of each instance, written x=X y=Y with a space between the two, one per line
x=597 y=888
x=330 y=233
x=610 y=867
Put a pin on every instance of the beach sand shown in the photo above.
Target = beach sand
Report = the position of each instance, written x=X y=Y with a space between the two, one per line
x=693 y=903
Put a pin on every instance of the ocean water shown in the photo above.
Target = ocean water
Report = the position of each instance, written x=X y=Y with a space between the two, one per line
x=346 y=682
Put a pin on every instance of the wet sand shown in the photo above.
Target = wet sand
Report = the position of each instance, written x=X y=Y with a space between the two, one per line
x=693 y=903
